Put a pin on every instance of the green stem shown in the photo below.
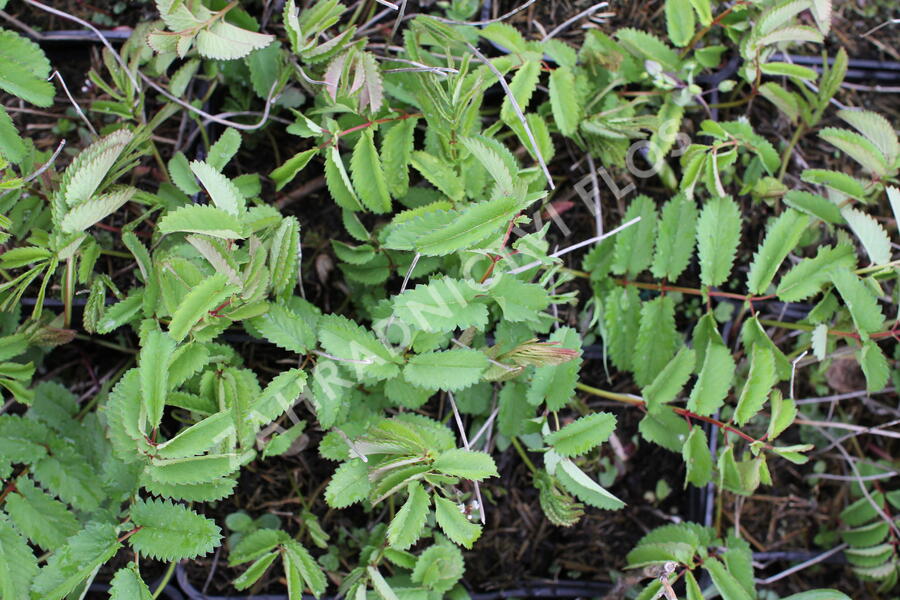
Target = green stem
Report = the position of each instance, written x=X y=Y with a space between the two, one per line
x=165 y=580
x=624 y=398
x=106 y=344
x=521 y=451
x=786 y=157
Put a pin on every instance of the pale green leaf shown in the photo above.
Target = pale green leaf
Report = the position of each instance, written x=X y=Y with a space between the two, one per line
x=224 y=194
x=91 y=212
x=870 y=233
x=225 y=41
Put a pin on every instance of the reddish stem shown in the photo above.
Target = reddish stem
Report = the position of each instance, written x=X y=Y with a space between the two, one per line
x=341 y=134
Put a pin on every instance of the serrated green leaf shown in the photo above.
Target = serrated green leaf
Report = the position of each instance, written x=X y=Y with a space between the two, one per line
x=197 y=438
x=305 y=565
x=784 y=411
x=225 y=41
x=622 y=314
x=870 y=233
x=441 y=305
x=439 y=174
x=876 y=129
x=192 y=470
x=670 y=380
x=657 y=339
x=96 y=209
x=46 y=521
x=155 y=356
x=86 y=173
x=582 y=434
x=634 y=245
x=368 y=175
x=713 y=382
x=467 y=464
x=381 y=586
x=675 y=240
x=697 y=458
x=729 y=587
x=472 y=225
x=439 y=568
x=338 y=181
x=254 y=571
x=454 y=523
x=759 y=382
x=680 y=22
x=25 y=69
x=522 y=86
x=782 y=237
x=199 y=218
x=555 y=384
x=225 y=147
x=181 y=174
x=407 y=524
x=583 y=487
x=348 y=485
x=842 y=182
x=859 y=300
x=449 y=370
x=564 y=101
x=285 y=329
x=782 y=69
x=718 y=235
x=858 y=148
x=128 y=585
x=654 y=554
x=874 y=365
x=648 y=46
x=171 y=531
x=345 y=339
x=75 y=562
x=284 y=174
x=222 y=191
x=12 y=148
x=197 y=303
x=396 y=153
x=809 y=275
